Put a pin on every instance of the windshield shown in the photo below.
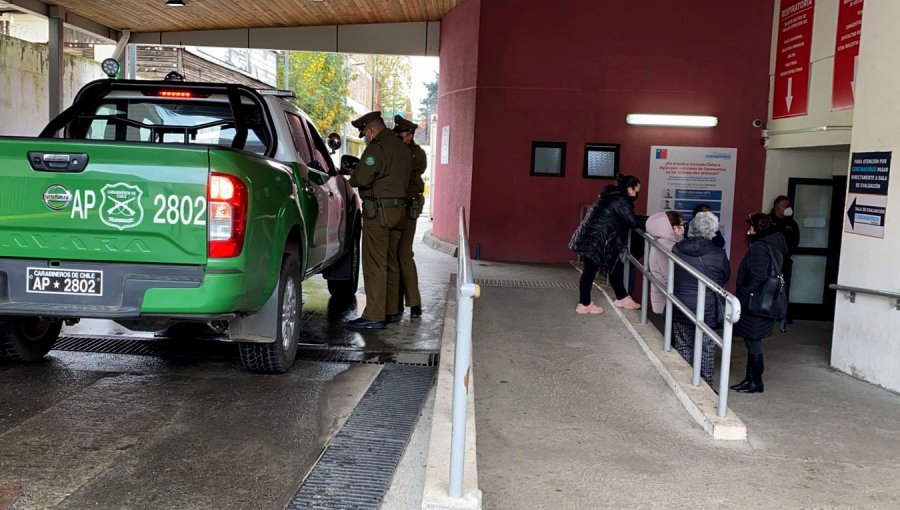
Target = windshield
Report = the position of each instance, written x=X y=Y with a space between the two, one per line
x=155 y=120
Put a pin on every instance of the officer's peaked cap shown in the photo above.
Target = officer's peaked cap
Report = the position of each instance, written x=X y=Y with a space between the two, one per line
x=361 y=122
x=401 y=124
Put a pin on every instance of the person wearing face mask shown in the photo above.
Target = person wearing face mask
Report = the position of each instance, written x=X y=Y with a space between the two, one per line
x=782 y=215
x=600 y=240
x=668 y=228
x=700 y=251
x=766 y=243
x=409 y=276
x=382 y=176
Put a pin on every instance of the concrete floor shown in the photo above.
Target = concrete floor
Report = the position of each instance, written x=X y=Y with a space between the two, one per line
x=571 y=414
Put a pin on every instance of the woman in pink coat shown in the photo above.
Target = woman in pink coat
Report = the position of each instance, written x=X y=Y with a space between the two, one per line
x=668 y=228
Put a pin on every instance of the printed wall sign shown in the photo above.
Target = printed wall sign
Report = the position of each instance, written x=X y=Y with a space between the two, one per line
x=683 y=177
x=846 y=54
x=795 y=28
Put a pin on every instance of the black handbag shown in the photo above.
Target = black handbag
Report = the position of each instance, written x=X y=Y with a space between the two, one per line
x=770 y=300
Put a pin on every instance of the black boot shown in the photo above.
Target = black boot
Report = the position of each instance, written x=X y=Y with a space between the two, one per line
x=748 y=376
x=755 y=386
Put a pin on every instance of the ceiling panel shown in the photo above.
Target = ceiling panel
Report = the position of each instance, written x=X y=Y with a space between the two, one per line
x=155 y=16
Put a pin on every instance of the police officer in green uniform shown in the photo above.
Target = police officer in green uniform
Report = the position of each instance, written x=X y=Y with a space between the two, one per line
x=409 y=277
x=382 y=177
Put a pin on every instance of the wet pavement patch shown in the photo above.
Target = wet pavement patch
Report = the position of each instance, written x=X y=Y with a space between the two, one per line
x=359 y=463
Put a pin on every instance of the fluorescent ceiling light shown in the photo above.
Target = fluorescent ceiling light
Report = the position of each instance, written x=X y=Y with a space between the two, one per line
x=175 y=3
x=651 y=119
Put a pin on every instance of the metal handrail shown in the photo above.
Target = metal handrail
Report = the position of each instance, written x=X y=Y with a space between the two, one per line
x=732 y=311
x=851 y=292
x=466 y=292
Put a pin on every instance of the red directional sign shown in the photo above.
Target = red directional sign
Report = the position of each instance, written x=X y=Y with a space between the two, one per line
x=846 y=51
x=795 y=26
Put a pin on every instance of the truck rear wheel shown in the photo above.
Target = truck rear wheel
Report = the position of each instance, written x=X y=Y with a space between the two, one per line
x=278 y=356
x=27 y=339
x=346 y=289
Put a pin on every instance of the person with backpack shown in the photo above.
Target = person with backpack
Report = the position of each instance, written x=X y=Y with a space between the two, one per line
x=768 y=248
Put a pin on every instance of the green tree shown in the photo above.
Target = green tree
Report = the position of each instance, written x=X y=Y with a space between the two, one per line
x=429 y=108
x=394 y=76
x=321 y=81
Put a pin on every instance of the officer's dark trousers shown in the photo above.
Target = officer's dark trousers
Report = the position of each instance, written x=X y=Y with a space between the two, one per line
x=379 y=261
x=409 y=275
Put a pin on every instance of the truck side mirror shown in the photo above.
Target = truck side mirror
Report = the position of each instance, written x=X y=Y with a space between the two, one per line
x=348 y=164
x=334 y=142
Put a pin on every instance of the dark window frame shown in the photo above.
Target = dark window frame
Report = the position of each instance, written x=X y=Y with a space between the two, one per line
x=549 y=145
x=602 y=147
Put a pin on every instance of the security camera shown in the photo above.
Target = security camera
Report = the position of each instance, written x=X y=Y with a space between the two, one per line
x=757 y=123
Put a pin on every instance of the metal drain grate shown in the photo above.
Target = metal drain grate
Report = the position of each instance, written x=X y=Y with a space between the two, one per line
x=357 y=467
x=166 y=347
x=527 y=284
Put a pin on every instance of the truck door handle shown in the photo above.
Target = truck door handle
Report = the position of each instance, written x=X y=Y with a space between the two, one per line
x=57 y=161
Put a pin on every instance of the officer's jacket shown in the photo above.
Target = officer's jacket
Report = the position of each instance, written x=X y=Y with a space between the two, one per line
x=384 y=167
x=419 y=163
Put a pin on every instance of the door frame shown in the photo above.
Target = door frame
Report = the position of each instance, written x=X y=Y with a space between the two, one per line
x=824 y=311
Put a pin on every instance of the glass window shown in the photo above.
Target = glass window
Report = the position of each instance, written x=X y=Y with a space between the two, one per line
x=301 y=143
x=152 y=120
x=321 y=153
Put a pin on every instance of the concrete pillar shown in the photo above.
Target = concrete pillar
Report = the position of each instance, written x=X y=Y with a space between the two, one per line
x=866 y=341
x=55 y=45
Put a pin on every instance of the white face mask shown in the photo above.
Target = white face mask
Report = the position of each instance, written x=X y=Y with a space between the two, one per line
x=366 y=139
x=789 y=211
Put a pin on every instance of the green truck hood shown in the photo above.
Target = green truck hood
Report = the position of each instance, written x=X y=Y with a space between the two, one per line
x=130 y=203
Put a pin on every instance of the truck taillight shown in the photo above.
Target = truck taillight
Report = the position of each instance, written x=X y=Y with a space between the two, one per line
x=227 y=215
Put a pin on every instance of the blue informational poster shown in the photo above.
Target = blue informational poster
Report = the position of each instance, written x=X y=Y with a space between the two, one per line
x=867 y=193
x=682 y=178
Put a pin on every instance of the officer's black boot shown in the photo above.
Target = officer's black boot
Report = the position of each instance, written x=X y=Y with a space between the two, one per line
x=748 y=376
x=755 y=386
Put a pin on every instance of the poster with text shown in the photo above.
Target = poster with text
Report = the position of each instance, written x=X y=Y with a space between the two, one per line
x=846 y=54
x=683 y=177
x=791 y=88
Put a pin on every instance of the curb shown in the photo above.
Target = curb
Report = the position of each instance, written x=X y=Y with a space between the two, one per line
x=439 y=244
x=437 y=469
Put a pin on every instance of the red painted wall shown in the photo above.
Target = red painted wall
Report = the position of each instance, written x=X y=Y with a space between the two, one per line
x=571 y=72
x=456 y=108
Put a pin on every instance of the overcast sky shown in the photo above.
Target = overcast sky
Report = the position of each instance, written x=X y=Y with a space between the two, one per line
x=424 y=70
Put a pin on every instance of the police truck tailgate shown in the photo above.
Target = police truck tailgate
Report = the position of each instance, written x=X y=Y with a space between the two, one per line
x=101 y=202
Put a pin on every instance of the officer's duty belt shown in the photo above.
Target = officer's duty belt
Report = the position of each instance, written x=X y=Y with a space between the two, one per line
x=388 y=202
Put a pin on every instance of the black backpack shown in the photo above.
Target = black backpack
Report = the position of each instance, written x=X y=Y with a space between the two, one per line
x=770 y=300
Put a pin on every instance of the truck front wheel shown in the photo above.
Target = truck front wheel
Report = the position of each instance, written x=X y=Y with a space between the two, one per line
x=278 y=356
x=27 y=339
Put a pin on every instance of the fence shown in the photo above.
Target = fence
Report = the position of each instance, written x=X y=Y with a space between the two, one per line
x=466 y=293
x=732 y=311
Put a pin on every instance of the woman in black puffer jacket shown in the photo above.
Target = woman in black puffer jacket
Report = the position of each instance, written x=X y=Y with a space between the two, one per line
x=700 y=251
x=600 y=239
x=765 y=239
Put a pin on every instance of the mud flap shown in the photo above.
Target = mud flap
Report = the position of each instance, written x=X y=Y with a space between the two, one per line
x=260 y=327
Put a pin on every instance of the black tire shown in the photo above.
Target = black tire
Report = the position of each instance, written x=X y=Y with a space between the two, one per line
x=346 y=289
x=278 y=357
x=27 y=339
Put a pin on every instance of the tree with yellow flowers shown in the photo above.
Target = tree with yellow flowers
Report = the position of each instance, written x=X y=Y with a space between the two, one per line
x=321 y=81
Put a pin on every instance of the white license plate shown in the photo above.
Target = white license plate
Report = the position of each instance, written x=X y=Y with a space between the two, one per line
x=70 y=282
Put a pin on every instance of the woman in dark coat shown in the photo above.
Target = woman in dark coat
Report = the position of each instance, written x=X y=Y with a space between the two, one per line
x=764 y=239
x=600 y=239
x=699 y=250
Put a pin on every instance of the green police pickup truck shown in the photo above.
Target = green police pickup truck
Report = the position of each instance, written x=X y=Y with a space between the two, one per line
x=159 y=202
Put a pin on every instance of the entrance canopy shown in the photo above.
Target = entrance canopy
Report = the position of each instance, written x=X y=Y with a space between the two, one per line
x=406 y=27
